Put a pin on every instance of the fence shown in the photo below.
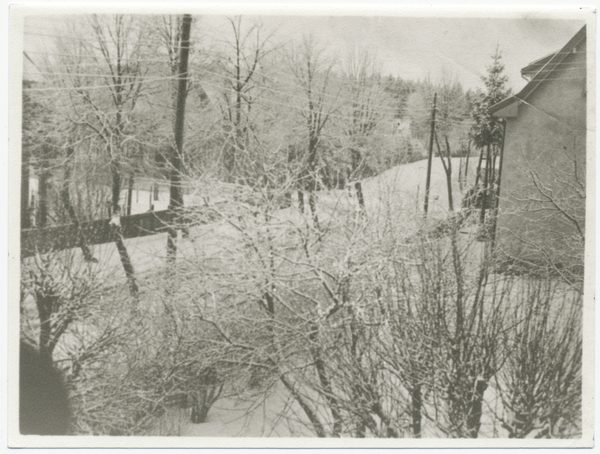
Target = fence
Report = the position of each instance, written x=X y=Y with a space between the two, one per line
x=57 y=238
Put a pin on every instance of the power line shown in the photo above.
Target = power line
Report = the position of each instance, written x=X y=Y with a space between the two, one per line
x=94 y=57
x=172 y=78
x=204 y=70
x=97 y=39
x=96 y=87
x=287 y=94
x=295 y=107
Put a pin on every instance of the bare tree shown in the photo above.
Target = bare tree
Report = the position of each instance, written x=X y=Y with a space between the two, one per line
x=312 y=70
x=451 y=119
x=367 y=109
x=540 y=384
x=447 y=315
x=61 y=290
x=541 y=225
x=242 y=72
x=105 y=101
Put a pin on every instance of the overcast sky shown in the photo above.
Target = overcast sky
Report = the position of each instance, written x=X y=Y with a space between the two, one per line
x=412 y=47
x=409 y=47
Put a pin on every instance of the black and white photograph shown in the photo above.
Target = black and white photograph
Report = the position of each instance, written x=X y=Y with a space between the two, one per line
x=301 y=224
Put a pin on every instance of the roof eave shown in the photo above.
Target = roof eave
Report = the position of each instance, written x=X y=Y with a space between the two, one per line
x=506 y=108
x=536 y=65
x=501 y=109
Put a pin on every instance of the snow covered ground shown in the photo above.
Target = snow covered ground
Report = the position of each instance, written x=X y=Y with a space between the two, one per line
x=397 y=193
x=272 y=415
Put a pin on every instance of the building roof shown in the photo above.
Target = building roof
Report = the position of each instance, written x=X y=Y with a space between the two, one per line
x=534 y=67
x=542 y=68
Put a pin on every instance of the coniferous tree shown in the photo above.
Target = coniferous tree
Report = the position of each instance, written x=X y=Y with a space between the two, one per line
x=487 y=131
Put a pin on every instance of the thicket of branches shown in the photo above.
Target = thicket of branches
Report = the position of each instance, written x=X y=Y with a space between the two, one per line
x=365 y=323
x=256 y=107
x=367 y=333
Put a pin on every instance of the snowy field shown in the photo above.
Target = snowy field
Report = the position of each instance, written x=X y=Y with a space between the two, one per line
x=396 y=194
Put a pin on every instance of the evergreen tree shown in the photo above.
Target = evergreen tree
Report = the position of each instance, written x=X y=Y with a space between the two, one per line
x=487 y=130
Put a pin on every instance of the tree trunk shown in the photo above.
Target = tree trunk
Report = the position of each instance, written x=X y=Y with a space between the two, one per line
x=461 y=165
x=449 y=185
x=361 y=429
x=486 y=185
x=116 y=188
x=42 y=214
x=331 y=400
x=308 y=411
x=478 y=173
x=44 y=304
x=416 y=406
x=129 y=195
x=126 y=262
x=115 y=224
x=475 y=409
x=498 y=186
x=301 y=201
x=360 y=196
x=465 y=169
x=356 y=158
x=467 y=163
x=65 y=198
x=229 y=159
x=448 y=169
x=312 y=204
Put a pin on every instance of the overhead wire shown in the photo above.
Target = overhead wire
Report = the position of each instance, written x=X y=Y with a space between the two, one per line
x=287 y=94
x=387 y=110
x=96 y=87
x=202 y=69
x=305 y=109
x=205 y=70
x=97 y=39
x=425 y=112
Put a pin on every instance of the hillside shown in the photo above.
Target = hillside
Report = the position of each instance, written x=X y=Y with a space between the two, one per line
x=395 y=195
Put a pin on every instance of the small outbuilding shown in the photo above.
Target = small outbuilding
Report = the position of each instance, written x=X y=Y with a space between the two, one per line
x=542 y=192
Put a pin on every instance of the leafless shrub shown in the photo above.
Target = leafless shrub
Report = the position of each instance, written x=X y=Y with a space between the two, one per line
x=61 y=289
x=540 y=384
x=446 y=321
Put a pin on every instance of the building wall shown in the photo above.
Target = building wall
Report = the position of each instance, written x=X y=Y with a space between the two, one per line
x=542 y=199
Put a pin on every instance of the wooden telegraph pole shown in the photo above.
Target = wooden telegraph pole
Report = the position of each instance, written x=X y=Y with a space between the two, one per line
x=486 y=185
x=430 y=159
x=176 y=194
x=498 y=185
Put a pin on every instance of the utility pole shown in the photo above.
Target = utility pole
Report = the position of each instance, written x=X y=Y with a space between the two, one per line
x=430 y=159
x=498 y=183
x=486 y=186
x=478 y=172
x=176 y=194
